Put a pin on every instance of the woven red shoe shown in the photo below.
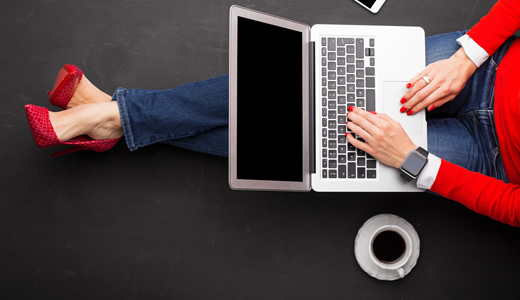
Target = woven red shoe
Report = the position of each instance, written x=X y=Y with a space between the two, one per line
x=45 y=136
x=65 y=85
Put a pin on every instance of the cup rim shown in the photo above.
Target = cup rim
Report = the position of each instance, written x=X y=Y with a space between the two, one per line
x=404 y=258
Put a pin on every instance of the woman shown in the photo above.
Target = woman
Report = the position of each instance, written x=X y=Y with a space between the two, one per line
x=472 y=108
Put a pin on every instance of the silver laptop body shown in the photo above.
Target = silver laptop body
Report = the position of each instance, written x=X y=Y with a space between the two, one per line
x=289 y=89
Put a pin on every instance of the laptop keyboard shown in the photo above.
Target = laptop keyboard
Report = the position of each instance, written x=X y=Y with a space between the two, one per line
x=347 y=79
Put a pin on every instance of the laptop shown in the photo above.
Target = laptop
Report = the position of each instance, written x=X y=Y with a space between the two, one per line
x=289 y=89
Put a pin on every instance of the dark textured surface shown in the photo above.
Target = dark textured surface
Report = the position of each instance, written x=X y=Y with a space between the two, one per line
x=161 y=222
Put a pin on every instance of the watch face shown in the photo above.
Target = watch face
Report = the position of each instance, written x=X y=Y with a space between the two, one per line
x=414 y=163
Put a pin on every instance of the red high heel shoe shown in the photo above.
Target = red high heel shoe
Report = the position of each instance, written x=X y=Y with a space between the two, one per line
x=65 y=85
x=45 y=136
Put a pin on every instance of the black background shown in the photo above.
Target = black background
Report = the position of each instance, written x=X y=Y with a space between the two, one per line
x=162 y=222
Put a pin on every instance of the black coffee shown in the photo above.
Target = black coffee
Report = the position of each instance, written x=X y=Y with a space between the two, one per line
x=388 y=246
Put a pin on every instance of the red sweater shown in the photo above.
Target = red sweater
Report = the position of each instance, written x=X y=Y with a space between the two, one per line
x=480 y=193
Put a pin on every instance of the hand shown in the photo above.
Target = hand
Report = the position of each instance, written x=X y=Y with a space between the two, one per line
x=447 y=78
x=385 y=139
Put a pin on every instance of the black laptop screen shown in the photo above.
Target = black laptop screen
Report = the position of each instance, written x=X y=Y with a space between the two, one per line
x=269 y=102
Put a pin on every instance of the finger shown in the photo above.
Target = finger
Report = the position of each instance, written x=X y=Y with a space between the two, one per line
x=438 y=103
x=358 y=130
x=418 y=86
x=436 y=99
x=419 y=76
x=422 y=98
x=368 y=121
x=359 y=144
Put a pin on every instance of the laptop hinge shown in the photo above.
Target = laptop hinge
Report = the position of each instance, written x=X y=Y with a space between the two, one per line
x=312 y=137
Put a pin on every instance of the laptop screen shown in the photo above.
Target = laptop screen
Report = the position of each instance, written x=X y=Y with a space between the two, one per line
x=269 y=102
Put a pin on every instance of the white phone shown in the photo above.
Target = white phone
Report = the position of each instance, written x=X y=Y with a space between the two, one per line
x=371 y=5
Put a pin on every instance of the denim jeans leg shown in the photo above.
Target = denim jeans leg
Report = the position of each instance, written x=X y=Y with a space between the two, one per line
x=463 y=130
x=192 y=116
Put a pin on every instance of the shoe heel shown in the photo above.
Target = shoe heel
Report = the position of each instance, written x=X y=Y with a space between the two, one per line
x=67 y=151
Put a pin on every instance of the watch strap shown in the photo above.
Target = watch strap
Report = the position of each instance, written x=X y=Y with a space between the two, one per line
x=422 y=151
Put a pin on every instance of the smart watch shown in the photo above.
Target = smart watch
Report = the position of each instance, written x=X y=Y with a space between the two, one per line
x=414 y=163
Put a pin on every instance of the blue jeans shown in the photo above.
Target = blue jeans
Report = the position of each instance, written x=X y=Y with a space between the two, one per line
x=463 y=130
x=192 y=116
x=195 y=116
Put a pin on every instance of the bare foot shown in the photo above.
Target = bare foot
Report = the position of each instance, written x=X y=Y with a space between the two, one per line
x=100 y=121
x=86 y=92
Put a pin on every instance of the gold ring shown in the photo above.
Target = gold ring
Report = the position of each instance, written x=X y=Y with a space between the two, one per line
x=426 y=79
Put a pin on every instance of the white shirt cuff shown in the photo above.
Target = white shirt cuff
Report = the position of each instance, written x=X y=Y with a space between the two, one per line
x=429 y=173
x=476 y=53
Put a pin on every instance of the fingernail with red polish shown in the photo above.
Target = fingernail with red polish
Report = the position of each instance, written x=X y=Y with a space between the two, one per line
x=403 y=109
x=351 y=108
x=373 y=112
x=432 y=107
x=403 y=100
x=409 y=112
x=408 y=85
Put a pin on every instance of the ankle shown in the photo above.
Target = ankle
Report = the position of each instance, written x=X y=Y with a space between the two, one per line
x=86 y=92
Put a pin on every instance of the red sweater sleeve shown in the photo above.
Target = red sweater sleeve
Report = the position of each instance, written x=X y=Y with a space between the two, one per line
x=483 y=194
x=499 y=24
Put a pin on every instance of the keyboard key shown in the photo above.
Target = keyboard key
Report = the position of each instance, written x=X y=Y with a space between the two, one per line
x=331 y=44
x=342 y=159
x=351 y=170
x=324 y=173
x=333 y=174
x=342 y=99
x=371 y=100
x=351 y=156
x=371 y=163
x=360 y=172
x=333 y=164
x=342 y=171
x=371 y=174
x=370 y=71
x=371 y=82
x=360 y=46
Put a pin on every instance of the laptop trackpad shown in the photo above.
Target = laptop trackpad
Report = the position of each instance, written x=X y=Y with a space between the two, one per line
x=393 y=91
